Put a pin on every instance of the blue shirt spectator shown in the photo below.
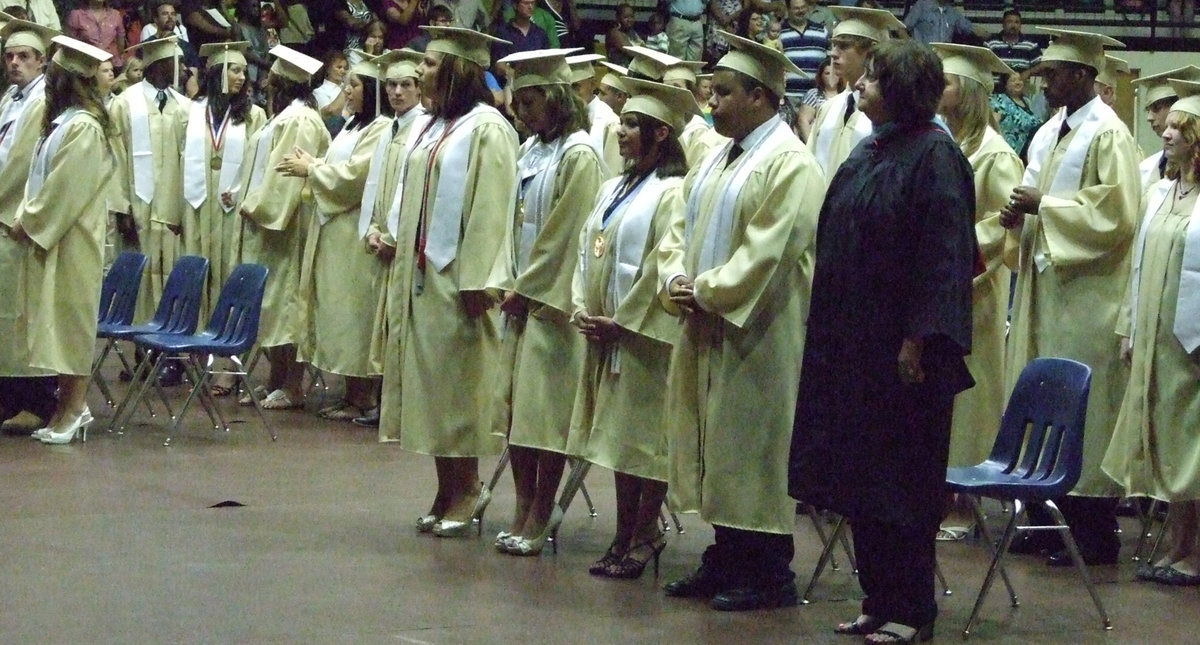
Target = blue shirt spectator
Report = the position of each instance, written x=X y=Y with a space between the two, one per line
x=806 y=43
x=932 y=21
x=1011 y=46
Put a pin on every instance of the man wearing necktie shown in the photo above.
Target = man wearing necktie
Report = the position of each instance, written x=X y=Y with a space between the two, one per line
x=1071 y=226
x=738 y=271
x=21 y=113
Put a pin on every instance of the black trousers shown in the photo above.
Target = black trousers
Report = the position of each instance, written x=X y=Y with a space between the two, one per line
x=895 y=569
x=741 y=558
x=1093 y=521
x=36 y=394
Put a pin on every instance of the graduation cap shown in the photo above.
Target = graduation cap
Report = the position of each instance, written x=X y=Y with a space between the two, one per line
x=764 y=64
x=872 y=24
x=1113 y=68
x=975 y=63
x=581 y=66
x=648 y=63
x=293 y=65
x=1158 y=86
x=540 y=67
x=1077 y=47
x=400 y=63
x=369 y=66
x=615 y=77
x=78 y=57
x=22 y=33
x=223 y=54
x=684 y=70
x=463 y=43
x=1189 y=96
x=158 y=49
x=667 y=103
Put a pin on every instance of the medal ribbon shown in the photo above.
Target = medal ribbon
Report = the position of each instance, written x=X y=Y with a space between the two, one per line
x=423 y=226
x=217 y=133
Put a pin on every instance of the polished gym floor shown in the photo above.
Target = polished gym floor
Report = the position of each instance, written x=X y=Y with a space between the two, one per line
x=116 y=541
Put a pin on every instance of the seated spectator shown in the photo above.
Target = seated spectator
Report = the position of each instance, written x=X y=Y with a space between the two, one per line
x=296 y=27
x=828 y=86
x=1011 y=45
x=204 y=23
x=755 y=27
x=330 y=94
x=773 y=36
x=132 y=75
x=621 y=35
x=805 y=42
x=1018 y=120
x=439 y=16
x=95 y=23
x=350 y=23
x=469 y=14
x=937 y=21
x=152 y=29
x=656 y=34
x=43 y=13
x=402 y=21
x=373 y=44
x=725 y=15
x=522 y=33
x=542 y=17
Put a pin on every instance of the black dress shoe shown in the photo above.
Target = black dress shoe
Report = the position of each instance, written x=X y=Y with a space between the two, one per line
x=170 y=375
x=369 y=420
x=701 y=584
x=1035 y=543
x=1062 y=558
x=751 y=598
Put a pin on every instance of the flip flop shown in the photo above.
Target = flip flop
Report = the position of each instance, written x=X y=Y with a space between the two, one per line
x=279 y=400
x=953 y=533
x=259 y=390
x=220 y=390
x=342 y=411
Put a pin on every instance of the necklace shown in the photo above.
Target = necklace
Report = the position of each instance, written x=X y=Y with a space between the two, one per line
x=1180 y=193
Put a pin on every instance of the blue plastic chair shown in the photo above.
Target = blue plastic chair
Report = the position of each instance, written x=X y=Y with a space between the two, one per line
x=232 y=330
x=1037 y=457
x=178 y=312
x=118 y=299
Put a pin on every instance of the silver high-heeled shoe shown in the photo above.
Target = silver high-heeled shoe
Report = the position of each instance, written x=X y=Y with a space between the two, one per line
x=87 y=420
x=64 y=437
x=425 y=523
x=534 y=546
x=454 y=528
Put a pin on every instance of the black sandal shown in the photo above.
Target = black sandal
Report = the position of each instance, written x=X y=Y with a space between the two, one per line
x=611 y=557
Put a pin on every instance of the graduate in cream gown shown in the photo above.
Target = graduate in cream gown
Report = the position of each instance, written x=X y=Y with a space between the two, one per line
x=559 y=171
x=21 y=113
x=454 y=256
x=737 y=268
x=379 y=195
x=274 y=217
x=62 y=223
x=603 y=122
x=220 y=124
x=838 y=125
x=997 y=170
x=697 y=138
x=617 y=421
x=340 y=279
x=1071 y=225
x=1155 y=449
x=150 y=141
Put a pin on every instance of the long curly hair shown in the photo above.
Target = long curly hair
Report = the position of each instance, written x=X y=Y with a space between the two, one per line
x=64 y=90
x=1188 y=126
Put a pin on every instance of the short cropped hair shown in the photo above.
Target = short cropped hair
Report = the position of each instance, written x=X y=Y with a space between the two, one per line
x=910 y=79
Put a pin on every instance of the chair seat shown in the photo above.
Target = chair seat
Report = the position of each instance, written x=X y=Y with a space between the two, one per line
x=125 y=332
x=205 y=342
x=987 y=480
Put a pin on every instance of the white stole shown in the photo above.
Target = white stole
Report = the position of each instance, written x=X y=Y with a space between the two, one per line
x=366 y=211
x=44 y=153
x=828 y=129
x=195 y=171
x=445 y=215
x=13 y=110
x=1149 y=170
x=539 y=165
x=141 y=149
x=1069 y=176
x=716 y=246
x=340 y=151
x=263 y=152
x=599 y=116
x=1187 y=303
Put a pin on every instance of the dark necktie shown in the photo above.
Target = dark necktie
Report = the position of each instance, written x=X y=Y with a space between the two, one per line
x=849 y=108
x=1062 y=132
x=395 y=128
x=162 y=100
x=18 y=96
x=734 y=153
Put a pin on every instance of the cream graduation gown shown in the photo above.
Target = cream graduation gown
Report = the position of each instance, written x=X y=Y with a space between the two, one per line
x=731 y=392
x=698 y=139
x=834 y=136
x=439 y=364
x=1074 y=267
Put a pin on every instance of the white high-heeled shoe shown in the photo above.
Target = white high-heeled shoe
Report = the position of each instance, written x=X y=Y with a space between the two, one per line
x=87 y=419
x=67 y=435
x=454 y=528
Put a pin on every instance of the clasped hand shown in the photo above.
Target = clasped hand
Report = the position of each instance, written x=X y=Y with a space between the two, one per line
x=295 y=164
x=682 y=292
x=597 y=329
x=1024 y=200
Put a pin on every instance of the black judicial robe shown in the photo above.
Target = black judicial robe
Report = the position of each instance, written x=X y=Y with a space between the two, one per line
x=895 y=258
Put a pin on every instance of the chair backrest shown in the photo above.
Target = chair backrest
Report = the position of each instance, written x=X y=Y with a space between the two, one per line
x=1041 y=434
x=179 y=310
x=234 y=320
x=119 y=291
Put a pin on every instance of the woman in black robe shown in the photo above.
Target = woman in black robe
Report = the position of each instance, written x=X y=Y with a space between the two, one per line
x=889 y=324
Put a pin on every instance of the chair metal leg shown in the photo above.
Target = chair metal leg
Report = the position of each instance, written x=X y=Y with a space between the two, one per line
x=587 y=498
x=135 y=394
x=199 y=377
x=997 y=563
x=937 y=571
x=1078 y=560
x=206 y=373
x=826 y=556
x=675 y=519
x=981 y=524
x=244 y=377
x=579 y=471
x=1147 y=526
x=500 y=466
x=98 y=378
x=195 y=391
x=817 y=522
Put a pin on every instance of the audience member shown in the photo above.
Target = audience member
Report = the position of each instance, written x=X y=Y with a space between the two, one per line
x=98 y=24
x=1011 y=45
x=204 y=22
x=518 y=35
x=439 y=16
x=937 y=21
x=1017 y=119
x=348 y=29
x=621 y=34
x=685 y=29
x=656 y=34
x=806 y=43
x=828 y=86
x=403 y=19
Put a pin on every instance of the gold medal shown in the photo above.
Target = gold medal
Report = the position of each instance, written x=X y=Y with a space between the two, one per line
x=215 y=163
x=598 y=246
